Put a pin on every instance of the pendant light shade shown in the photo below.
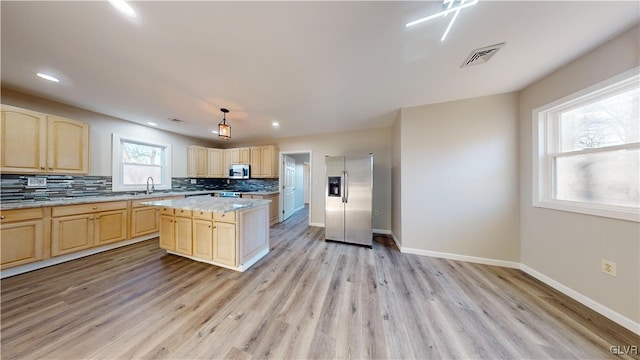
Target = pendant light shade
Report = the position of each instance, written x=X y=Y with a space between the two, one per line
x=224 y=129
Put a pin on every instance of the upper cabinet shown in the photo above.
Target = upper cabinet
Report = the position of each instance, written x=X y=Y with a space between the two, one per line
x=197 y=161
x=264 y=161
x=34 y=142
x=215 y=163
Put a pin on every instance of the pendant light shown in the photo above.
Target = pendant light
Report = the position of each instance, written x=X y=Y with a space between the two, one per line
x=224 y=129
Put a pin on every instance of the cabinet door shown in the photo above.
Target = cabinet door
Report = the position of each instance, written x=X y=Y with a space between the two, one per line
x=67 y=146
x=215 y=162
x=235 y=156
x=256 y=162
x=227 y=161
x=21 y=243
x=110 y=226
x=23 y=135
x=245 y=155
x=167 y=232
x=224 y=244
x=274 y=209
x=71 y=233
x=203 y=239
x=144 y=221
x=269 y=161
x=183 y=240
x=196 y=161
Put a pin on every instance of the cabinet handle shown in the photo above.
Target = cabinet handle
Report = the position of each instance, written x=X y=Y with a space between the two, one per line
x=50 y=168
x=97 y=217
x=42 y=167
x=91 y=218
x=2 y=217
x=214 y=227
x=95 y=208
x=209 y=226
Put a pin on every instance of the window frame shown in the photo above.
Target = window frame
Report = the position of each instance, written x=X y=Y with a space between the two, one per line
x=546 y=148
x=117 y=165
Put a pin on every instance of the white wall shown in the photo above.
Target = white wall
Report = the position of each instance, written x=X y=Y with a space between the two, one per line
x=568 y=247
x=396 y=179
x=459 y=178
x=102 y=126
x=377 y=141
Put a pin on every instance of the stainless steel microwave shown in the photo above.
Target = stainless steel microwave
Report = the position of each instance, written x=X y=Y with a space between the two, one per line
x=239 y=171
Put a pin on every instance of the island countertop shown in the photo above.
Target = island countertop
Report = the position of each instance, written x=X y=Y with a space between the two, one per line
x=209 y=203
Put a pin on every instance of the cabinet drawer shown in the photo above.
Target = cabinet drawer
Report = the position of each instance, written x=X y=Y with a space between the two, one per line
x=21 y=214
x=225 y=217
x=183 y=213
x=166 y=211
x=87 y=208
x=205 y=215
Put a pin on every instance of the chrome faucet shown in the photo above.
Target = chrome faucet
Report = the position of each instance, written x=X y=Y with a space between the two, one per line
x=150 y=190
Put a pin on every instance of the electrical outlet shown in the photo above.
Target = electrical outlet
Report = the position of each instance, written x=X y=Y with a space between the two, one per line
x=193 y=181
x=608 y=267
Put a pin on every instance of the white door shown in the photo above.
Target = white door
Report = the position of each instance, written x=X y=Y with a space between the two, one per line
x=288 y=187
x=307 y=179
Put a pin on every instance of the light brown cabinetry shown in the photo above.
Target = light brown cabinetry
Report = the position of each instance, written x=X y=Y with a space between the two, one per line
x=144 y=219
x=264 y=161
x=274 y=205
x=175 y=230
x=215 y=163
x=203 y=238
x=22 y=235
x=196 y=161
x=224 y=250
x=167 y=232
x=80 y=227
x=34 y=142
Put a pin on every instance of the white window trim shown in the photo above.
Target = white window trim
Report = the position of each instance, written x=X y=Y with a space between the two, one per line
x=116 y=164
x=542 y=152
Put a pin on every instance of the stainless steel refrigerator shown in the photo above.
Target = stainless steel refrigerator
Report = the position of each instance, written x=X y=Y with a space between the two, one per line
x=348 y=199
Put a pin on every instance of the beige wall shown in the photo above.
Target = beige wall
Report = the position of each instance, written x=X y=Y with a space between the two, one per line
x=102 y=126
x=459 y=177
x=377 y=141
x=568 y=247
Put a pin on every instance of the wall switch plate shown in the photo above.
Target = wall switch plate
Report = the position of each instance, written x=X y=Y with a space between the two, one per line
x=608 y=267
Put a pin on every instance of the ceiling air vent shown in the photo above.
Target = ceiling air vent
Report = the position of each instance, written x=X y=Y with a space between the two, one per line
x=482 y=55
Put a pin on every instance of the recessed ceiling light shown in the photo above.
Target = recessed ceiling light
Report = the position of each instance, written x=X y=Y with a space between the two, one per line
x=151 y=123
x=123 y=7
x=48 y=77
x=275 y=124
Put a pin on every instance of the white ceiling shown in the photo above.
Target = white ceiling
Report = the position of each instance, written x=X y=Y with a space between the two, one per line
x=315 y=67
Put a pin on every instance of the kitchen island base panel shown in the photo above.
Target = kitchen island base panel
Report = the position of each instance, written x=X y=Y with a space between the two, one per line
x=241 y=268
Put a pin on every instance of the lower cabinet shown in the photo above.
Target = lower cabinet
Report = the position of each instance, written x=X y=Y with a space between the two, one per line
x=144 y=220
x=203 y=238
x=183 y=233
x=21 y=237
x=80 y=227
x=224 y=244
x=167 y=232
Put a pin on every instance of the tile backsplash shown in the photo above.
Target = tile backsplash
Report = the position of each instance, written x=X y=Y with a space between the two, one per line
x=14 y=188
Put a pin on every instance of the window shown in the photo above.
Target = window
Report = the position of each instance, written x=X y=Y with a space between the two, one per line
x=587 y=150
x=134 y=161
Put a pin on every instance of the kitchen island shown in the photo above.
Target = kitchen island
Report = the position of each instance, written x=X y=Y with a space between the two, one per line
x=227 y=232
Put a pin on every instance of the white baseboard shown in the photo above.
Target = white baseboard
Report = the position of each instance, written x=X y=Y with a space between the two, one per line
x=316 y=224
x=382 y=231
x=395 y=239
x=76 y=255
x=451 y=256
x=593 y=305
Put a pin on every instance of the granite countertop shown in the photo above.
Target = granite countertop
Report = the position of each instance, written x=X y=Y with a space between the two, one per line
x=265 y=193
x=209 y=203
x=91 y=199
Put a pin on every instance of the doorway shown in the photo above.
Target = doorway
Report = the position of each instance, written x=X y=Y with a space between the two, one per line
x=295 y=183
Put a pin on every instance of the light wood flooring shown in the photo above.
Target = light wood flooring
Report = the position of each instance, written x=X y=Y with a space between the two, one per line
x=307 y=299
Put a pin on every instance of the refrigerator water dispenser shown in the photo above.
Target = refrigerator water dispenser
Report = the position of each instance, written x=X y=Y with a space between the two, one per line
x=335 y=186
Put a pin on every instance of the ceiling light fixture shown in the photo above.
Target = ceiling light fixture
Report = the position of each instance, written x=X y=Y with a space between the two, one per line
x=451 y=6
x=48 y=77
x=123 y=7
x=275 y=124
x=224 y=129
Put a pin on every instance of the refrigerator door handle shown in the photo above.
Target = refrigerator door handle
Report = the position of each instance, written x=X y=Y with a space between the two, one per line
x=346 y=187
